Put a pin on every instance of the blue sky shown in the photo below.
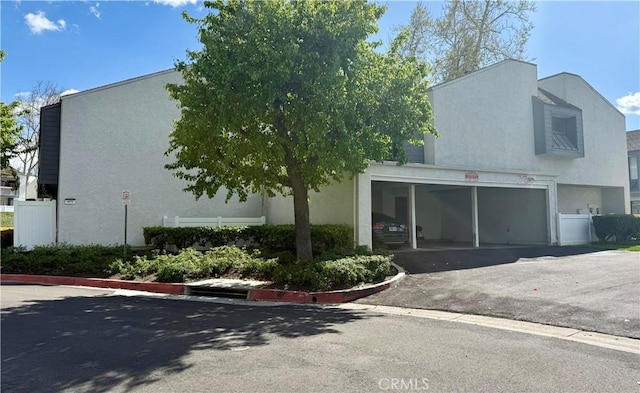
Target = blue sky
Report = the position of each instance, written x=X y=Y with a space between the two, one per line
x=79 y=45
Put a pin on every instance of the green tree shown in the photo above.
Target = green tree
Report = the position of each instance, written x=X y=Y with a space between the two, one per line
x=11 y=130
x=470 y=35
x=288 y=96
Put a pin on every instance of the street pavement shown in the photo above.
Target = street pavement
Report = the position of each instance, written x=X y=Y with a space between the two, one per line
x=63 y=339
x=561 y=286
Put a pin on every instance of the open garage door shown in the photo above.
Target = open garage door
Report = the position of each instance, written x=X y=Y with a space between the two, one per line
x=444 y=214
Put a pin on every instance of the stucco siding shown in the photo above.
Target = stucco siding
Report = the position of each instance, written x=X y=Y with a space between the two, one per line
x=429 y=213
x=485 y=119
x=114 y=139
x=333 y=205
x=576 y=199
x=605 y=145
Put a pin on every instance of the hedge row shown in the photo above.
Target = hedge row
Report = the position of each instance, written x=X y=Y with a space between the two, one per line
x=270 y=238
x=62 y=260
x=190 y=264
x=617 y=227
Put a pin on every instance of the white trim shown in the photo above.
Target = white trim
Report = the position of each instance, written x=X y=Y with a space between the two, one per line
x=412 y=216
x=474 y=217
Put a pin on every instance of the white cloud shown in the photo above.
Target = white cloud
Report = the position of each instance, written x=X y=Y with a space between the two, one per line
x=69 y=91
x=95 y=11
x=629 y=104
x=175 y=3
x=38 y=23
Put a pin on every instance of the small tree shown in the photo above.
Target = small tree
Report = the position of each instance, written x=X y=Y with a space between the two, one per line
x=10 y=128
x=42 y=94
x=288 y=96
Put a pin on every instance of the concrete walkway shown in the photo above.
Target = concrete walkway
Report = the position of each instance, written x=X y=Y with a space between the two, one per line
x=569 y=287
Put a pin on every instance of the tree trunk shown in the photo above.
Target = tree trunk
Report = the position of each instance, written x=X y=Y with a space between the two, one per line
x=300 y=208
x=301 y=214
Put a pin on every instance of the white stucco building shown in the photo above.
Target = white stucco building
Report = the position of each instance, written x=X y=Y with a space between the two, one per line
x=513 y=152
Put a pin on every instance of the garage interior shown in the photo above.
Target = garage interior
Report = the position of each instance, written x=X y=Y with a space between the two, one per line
x=446 y=215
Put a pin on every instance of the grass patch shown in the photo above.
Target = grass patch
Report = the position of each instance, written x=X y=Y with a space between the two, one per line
x=613 y=246
x=6 y=220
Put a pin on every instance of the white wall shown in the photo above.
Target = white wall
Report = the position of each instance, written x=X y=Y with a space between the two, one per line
x=574 y=198
x=485 y=120
x=333 y=205
x=605 y=139
x=113 y=139
x=428 y=213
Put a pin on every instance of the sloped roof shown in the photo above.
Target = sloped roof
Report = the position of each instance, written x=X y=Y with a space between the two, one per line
x=633 y=140
x=550 y=99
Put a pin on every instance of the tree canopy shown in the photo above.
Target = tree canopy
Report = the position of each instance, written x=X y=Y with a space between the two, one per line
x=288 y=96
x=469 y=35
x=11 y=130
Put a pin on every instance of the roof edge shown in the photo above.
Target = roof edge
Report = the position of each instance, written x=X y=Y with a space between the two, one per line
x=487 y=68
x=588 y=85
x=116 y=84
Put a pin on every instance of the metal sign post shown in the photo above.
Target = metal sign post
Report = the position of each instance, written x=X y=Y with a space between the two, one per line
x=126 y=198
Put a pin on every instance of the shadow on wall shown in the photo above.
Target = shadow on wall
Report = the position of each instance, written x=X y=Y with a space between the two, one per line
x=100 y=344
x=431 y=261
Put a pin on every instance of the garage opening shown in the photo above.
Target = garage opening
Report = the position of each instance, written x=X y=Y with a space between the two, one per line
x=444 y=214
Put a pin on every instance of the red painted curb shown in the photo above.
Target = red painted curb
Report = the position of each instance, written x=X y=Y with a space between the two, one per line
x=156 y=287
x=279 y=295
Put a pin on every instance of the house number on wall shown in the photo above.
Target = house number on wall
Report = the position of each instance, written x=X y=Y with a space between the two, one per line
x=471 y=176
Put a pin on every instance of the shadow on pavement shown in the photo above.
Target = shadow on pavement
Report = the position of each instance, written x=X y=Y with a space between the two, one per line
x=431 y=261
x=99 y=343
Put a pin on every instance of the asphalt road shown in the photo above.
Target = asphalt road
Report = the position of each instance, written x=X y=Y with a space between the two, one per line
x=560 y=286
x=61 y=339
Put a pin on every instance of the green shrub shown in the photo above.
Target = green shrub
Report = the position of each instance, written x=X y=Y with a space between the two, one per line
x=63 y=259
x=622 y=227
x=191 y=264
x=271 y=239
x=334 y=274
x=6 y=219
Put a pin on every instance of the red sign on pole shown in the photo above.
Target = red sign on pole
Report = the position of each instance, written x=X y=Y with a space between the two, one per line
x=126 y=197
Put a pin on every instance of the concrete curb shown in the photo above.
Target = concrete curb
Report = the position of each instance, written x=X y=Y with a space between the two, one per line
x=155 y=287
x=271 y=295
x=340 y=296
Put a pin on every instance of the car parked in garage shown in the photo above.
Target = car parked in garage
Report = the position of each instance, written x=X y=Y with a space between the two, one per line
x=392 y=232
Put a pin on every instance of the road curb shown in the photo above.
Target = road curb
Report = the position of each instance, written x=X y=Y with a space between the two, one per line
x=268 y=295
x=155 y=287
x=340 y=296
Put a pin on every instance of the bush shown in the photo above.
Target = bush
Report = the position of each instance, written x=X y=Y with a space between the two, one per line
x=621 y=227
x=270 y=239
x=334 y=274
x=191 y=264
x=63 y=259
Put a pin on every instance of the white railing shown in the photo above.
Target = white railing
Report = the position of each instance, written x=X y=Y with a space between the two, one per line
x=177 y=221
x=6 y=209
x=8 y=192
x=574 y=229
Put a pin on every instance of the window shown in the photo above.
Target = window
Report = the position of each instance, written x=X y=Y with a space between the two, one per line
x=565 y=127
x=633 y=168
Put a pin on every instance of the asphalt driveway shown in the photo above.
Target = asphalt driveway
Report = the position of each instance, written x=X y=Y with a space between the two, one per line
x=562 y=286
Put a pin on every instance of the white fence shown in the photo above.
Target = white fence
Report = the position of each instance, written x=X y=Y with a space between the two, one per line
x=574 y=229
x=6 y=208
x=34 y=223
x=177 y=221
